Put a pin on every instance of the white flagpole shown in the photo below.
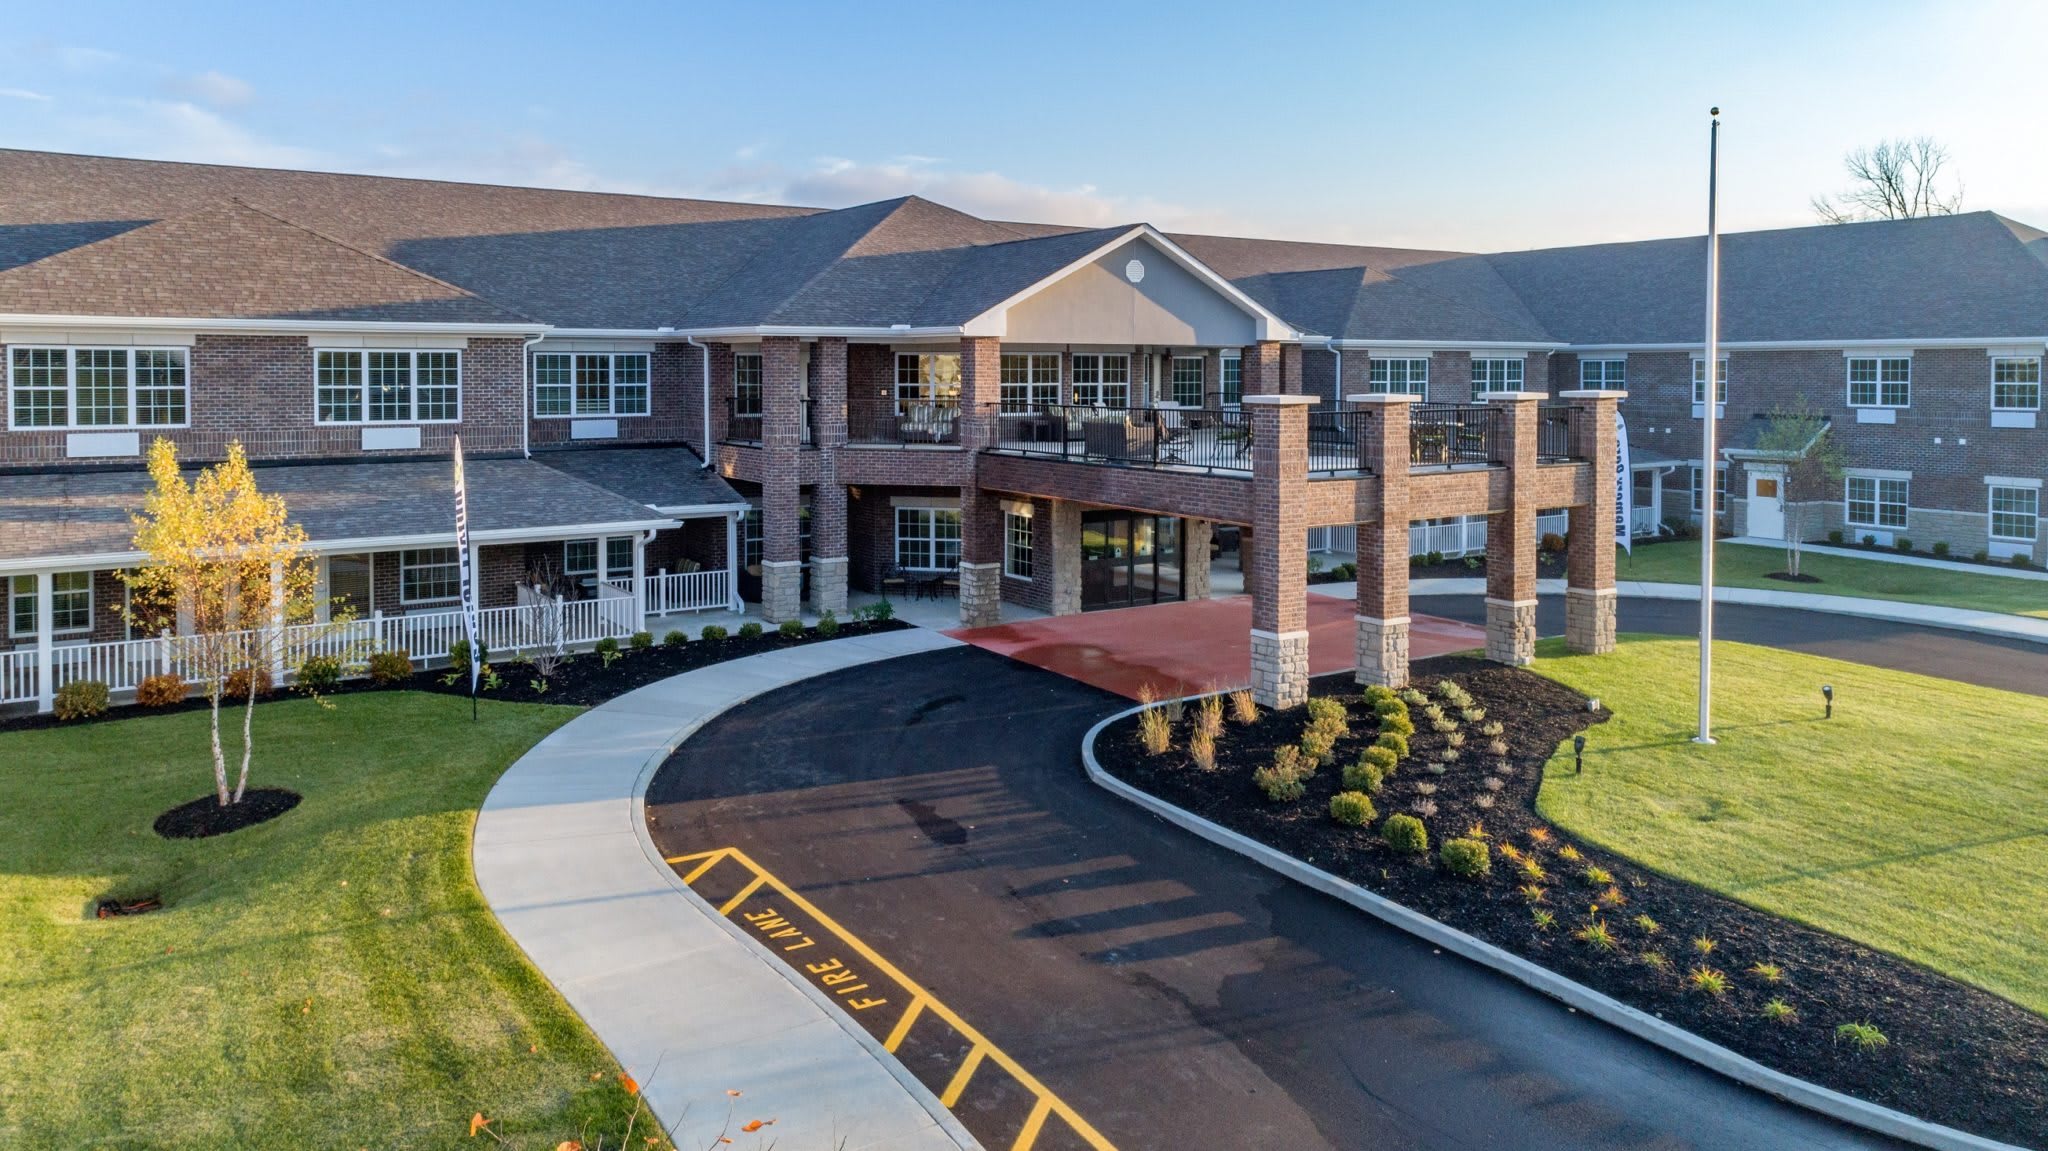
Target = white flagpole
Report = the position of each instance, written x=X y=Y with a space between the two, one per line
x=1711 y=373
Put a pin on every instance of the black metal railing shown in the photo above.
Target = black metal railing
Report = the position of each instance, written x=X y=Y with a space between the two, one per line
x=1557 y=433
x=911 y=422
x=743 y=428
x=1342 y=441
x=1198 y=438
x=1454 y=435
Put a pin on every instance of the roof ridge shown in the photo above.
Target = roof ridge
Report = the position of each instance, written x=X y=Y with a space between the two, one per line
x=1469 y=306
x=1121 y=230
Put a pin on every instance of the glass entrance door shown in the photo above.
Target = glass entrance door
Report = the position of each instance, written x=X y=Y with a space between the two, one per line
x=1128 y=558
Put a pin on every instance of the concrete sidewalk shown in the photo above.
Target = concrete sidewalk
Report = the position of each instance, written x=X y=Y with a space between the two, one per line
x=2030 y=628
x=563 y=857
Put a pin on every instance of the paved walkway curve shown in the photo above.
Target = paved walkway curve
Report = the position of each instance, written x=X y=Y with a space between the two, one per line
x=562 y=856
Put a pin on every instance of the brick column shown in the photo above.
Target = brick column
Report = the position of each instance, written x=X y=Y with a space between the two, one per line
x=1383 y=548
x=828 y=499
x=1196 y=536
x=981 y=514
x=1279 y=583
x=1511 y=537
x=1589 y=597
x=1065 y=542
x=1290 y=370
x=781 y=440
x=1260 y=369
x=1212 y=378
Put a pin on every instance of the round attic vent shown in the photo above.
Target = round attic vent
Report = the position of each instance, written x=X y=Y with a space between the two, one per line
x=1135 y=271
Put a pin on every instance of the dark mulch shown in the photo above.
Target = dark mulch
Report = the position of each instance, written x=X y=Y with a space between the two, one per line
x=205 y=817
x=1957 y=1055
x=1788 y=577
x=1881 y=549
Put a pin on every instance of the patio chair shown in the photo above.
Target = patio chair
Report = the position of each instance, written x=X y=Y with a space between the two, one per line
x=893 y=577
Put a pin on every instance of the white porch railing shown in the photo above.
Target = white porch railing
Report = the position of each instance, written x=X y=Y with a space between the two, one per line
x=674 y=592
x=1642 y=521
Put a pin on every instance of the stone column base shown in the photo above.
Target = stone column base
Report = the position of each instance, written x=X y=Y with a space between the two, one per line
x=1280 y=668
x=1194 y=559
x=1383 y=651
x=828 y=585
x=782 y=590
x=1511 y=631
x=1065 y=558
x=981 y=595
x=1589 y=619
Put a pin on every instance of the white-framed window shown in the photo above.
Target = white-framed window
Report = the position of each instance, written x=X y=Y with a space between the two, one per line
x=1875 y=502
x=2016 y=383
x=2015 y=513
x=752 y=539
x=1186 y=375
x=1496 y=375
x=1880 y=381
x=375 y=386
x=928 y=539
x=1604 y=374
x=70 y=604
x=1017 y=543
x=1232 y=384
x=1699 y=380
x=1720 y=491
x=76 y=387
x=428 y=575
x=567 y=384
x=746 y=384
x=1102 y=379
x=1030 y=381
x=926 y=377
x=579 y=558
x=1399 y=377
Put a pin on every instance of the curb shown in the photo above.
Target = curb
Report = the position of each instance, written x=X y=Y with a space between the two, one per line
x=1712 y=1056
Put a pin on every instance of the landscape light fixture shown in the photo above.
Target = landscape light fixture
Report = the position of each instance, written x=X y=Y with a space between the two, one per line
x=1827 y=692
x=1578 y=754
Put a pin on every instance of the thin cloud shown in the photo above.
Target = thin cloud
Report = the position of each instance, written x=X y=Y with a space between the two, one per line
x=25 y=94
x=216 y=89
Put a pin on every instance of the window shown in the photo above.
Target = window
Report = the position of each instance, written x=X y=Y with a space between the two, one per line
x=1720 y=491
x=1880 y=381
x=1604 y=374
x=746 y=384
x=1187 y=381
x=579 y=558
x=751 y=539
x=1496 y=376
x=1017 y=543
x=618 y=555
x=1102 y=380
x=553 y=384
x=429 y=574
x=1876 y=502
x=1030 y=381
x=923 y=378
x=1233 y=380
x=96 y=388
x=379 y=387
x=1699 y=381
x=2016 y=384
x=582 y=384
x=2015 y=513
x=1406 y=377
x=70 y=604
x=928 y=539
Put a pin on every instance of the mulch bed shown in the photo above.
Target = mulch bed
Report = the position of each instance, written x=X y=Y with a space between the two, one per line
x=1788 y=577
x=1857 y=545
x=205 y=817
x=1956 y=1055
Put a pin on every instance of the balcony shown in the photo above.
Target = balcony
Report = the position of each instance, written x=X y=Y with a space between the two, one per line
x=1557 y=433
x=746 y=429
x=1206 y=440
x=1446 y=436
x=931 y=422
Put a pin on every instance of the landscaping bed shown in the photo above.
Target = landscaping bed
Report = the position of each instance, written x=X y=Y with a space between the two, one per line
x=1950 y=1053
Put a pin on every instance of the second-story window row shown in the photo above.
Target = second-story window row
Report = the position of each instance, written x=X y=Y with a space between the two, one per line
x=1880 y=381
x=590 y=384
x=369 y=386
x=2016 y=383
x=83 y=387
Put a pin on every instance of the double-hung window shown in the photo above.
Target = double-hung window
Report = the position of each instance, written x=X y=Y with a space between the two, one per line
x=1398 y=377
x=1496 y=375
x=1720 y=491
x=928 y=539
x=1232 y=384
x=1103 y=380
x=426 y=575
x=1186 y=377
x=1699 y=381
x=1030 y=381
x=353 y=386
x=96 y=388
x=927 y=378
x=746 y=384
x=589 y=384
x=2016 y=384
x=2015 y=513
x=70 y=604
x=1875 y=502
x=1017 y=542
x=1604 y=375
x=1880 y=381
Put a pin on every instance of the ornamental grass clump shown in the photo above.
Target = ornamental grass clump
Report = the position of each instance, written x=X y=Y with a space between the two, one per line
x=1707 y=981
x=1202 y=749
x=1405 y=834
x=1155 y=731
x=1596 y=935
x=1352 y=808
x=1598 y=877
x=1864 y=1037
x=1209 y=717
x=1779 y=1011
x=1243 y=708
x=1768 y=972
x=1491 y=729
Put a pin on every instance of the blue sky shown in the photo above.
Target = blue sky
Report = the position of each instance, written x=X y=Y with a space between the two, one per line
x=1483 y=126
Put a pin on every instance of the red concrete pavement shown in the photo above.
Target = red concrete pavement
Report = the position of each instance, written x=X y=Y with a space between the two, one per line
x=1197 y=645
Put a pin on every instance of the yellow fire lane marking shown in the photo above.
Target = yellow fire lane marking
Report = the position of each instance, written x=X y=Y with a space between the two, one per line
x=921 y=1000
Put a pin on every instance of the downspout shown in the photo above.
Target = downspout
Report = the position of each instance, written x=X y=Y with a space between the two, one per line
x=525 y=394
x=704 y=357
x=1337 y=377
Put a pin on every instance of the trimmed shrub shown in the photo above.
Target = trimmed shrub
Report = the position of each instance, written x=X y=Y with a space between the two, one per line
x=2019 y=560
x=1378 y=694
x=1405 y=834
x=791 y=628
x=828 y=624
x=876 y=612
x=1835 y=536
x=1352 y=808
x=237 y=686
x=1466 y=858
x=1280 y=784
x=674 y=639
x=1364 y=776
x=1398 y=723
x=1869 y=540
x=1329 y=712
x=80 y=699
x=160 y=691
x=607 y=650
x=1393 y=741
x=1941 y=548
x=1903 y=544
x=1380 y=757
x=750 y=630
x=1318 y=744
x=389 y=667
x=642 y=640
x=318 y=674
x=1552 y=542
x=712 y=631
x=458 y=655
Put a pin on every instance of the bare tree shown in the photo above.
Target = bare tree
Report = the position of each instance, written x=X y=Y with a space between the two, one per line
x=1797 y=438
x=541 y=626
x=1896 y=180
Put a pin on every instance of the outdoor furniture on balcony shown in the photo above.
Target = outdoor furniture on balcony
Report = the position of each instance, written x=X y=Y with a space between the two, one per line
x=1117 y=438
x=895 y=578
x=929 y=423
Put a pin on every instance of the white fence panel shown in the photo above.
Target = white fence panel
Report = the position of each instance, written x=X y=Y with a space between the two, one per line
x=17 y=675
x=687 y=591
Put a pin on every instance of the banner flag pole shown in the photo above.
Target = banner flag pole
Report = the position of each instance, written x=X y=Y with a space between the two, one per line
x=468 y=573
x=1710 y=372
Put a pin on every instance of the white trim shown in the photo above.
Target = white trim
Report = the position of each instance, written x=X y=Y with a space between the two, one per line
x=1877 y=385
x=403 y=601
x=100 y=338
x=1821 y=345
x=611 y=386
x=2037 y=360
x=1026 y=508
x=1877 y=473
x=201 y=325
x=1866 y=354
x=71 y=387
x=556 y=343
x=50 y=577
x=1491 y=347
x=386 y=341
x=412 y=385
x=2010 y=482
x=943 y=503
x=1991 y=516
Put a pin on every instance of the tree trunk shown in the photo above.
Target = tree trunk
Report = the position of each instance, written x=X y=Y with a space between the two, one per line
x=220 y=763
x=248 y=723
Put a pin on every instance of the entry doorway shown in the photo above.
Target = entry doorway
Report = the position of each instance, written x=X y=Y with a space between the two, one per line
x=1129 y=558
x=1766 y=506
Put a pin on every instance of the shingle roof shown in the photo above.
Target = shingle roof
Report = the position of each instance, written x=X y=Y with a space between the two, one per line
x=670 y=477
x=87 y=513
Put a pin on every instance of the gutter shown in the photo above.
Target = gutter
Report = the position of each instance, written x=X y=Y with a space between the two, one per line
x=526 y=390
x=1337 y=376
x=704 y=359
x=216 y=324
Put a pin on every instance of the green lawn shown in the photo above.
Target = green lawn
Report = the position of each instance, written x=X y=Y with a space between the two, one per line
x=1743 y=566
x=1915 y=821
x=328 y=979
